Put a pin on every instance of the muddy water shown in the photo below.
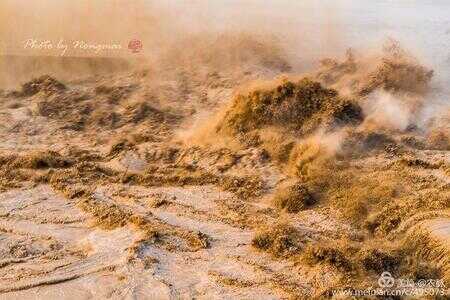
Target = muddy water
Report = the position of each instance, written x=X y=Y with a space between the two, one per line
x=310 y=29
x=322 y=27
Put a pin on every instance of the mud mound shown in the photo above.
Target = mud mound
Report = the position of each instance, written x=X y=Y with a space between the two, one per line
x=303 y=106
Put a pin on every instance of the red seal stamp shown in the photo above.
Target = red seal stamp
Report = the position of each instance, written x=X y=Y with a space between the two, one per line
x=135 y=46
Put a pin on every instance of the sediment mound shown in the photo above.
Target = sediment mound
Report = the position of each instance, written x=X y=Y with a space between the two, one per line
x=303 y=106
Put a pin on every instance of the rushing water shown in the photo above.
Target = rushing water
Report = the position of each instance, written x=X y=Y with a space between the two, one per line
x=422 y=26
x=311 y=29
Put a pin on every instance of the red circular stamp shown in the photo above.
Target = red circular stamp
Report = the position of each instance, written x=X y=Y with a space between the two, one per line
x=135 y=46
